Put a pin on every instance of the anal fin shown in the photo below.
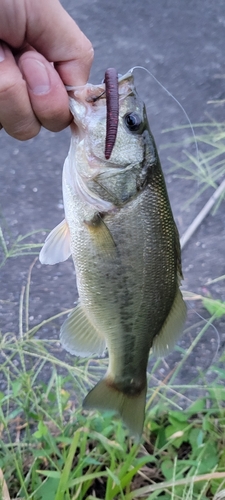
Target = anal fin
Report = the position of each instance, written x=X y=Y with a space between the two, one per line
x=78 y=336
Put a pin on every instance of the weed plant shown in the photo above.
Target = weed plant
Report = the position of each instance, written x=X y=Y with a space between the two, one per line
x=51 y=449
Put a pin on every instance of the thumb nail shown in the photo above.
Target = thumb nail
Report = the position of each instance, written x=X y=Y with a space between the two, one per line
x=36 y=75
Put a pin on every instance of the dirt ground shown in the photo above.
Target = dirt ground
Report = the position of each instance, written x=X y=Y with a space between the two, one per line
x=182 y=44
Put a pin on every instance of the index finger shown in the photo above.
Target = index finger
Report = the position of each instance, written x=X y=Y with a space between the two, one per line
x=53 y=33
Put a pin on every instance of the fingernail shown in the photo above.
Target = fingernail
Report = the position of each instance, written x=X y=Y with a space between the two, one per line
x=2 y=53
x=36 y=75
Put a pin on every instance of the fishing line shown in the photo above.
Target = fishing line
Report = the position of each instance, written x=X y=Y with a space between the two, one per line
x=179 y=104
x=69 y=87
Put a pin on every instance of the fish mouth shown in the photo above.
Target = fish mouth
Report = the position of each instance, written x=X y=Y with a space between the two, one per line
x=86 y=99
x=91 y=93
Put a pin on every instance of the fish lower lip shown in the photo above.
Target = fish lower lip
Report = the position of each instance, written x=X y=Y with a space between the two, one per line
x=113 y=165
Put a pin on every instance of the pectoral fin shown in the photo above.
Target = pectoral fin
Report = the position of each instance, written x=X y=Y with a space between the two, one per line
x=57 y=245
x=101 y=235
x=172 y=327
x=79 y=336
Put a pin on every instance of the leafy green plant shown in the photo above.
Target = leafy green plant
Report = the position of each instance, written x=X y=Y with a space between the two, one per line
x=51 y=449
x=215 y=307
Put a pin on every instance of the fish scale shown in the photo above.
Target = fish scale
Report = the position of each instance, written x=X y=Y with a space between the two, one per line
x=121 y=233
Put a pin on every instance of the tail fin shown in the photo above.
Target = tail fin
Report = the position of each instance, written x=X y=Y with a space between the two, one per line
x=105 y=396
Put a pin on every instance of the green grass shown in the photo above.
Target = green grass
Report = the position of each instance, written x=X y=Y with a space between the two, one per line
x=51 y=449
x=19 y=247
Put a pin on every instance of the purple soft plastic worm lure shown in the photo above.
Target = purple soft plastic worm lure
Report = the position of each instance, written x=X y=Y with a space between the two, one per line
x=112 y=106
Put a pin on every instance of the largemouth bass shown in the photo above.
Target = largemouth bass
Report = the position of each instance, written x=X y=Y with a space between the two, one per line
x=121 y=233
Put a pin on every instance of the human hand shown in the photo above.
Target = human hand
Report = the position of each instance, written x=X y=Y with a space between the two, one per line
x=35 y=34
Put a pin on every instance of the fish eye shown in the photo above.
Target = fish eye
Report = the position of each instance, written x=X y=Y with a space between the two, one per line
x=133 y=122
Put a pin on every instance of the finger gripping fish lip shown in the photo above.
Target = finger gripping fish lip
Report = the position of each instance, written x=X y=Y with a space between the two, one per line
x=112 y=106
